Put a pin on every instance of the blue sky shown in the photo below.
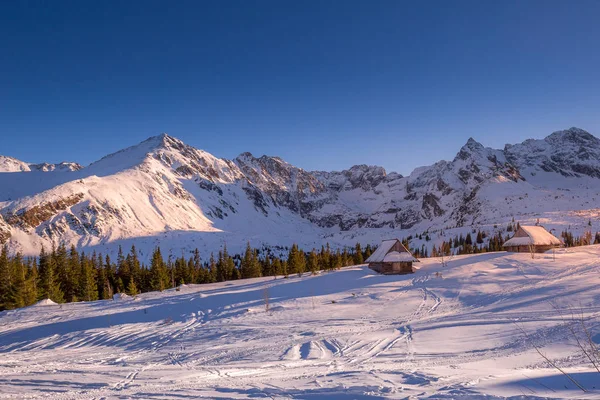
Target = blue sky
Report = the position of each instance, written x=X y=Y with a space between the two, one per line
x=323 y=84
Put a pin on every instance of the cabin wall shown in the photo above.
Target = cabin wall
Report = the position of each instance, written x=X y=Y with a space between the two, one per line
x=525 y=249
x=392 y=268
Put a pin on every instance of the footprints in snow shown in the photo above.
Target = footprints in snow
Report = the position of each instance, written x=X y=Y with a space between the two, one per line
x=312 y=350
x=354 y=352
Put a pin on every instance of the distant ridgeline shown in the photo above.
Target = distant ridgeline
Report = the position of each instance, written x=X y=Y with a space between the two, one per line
x=69 y=275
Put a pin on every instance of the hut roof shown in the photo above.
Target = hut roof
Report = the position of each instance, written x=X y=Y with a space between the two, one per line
x=394 y=256
x=381 y=254
x=532 y=235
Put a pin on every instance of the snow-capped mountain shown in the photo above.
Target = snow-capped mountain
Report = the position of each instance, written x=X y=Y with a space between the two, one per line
x=165 y=192
x=10 y=164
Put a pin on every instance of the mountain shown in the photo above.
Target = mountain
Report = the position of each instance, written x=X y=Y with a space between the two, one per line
x=164 y=192
x=10 y=164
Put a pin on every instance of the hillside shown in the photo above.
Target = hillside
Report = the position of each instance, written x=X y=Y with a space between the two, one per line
x=443 y=332
x=164 y=192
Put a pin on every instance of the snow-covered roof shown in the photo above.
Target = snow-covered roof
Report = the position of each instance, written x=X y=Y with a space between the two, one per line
x=394 y=256
x=532 y=235
x=383 y=252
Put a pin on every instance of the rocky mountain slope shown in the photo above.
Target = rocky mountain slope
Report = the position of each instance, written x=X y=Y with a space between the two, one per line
x=165 y=192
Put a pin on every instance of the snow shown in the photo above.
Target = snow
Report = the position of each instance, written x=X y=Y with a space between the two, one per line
x=395 y=256
x=448 y=332
x=45 y=302
x=163 y=192
x=379 y=254
x=535 y=235
x=121 y=297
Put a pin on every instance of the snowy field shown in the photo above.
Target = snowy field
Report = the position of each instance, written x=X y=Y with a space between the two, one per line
x=443 y=332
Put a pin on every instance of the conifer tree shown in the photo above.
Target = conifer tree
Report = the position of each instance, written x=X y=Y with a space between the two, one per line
x=284 y=268
x=159 y=278
x=60 y=266
x=267 y=267
x=246 y=264
x=198 y=275
x=49 y=285
x=19 y=278
x=479 y=239
x=132 y=289
x=6 y=281
x=212 y=269
x=31 y=292
x=358 y=256
x=73 y=271
x=100 y=276
x=88 y=288
x=108 y=288
x=368 y=251
x=255 y=267
x=313 y=262
x=277 y=267
x=337 y=260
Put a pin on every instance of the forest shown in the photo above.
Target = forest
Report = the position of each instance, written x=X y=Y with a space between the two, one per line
x=68 y=275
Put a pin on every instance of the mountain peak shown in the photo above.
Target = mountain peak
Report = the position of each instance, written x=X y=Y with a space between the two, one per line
x=472 y=146
x=573 y=135
x=162 y=140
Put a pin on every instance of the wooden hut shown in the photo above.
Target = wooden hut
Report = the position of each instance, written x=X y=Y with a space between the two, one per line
x=391 y=257
x=529 y=239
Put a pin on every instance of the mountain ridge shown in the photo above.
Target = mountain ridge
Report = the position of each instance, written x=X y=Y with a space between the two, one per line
x=160 y=188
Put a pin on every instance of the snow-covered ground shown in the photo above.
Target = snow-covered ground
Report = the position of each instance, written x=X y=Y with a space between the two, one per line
x=443 y=332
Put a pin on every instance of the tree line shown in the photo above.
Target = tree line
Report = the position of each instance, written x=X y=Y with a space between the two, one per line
x=68 y=275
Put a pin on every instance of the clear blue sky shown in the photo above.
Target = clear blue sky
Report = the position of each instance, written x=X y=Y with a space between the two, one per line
x=323 y=84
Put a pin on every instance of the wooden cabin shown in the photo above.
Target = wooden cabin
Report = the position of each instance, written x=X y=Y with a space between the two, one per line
x=391 y=257
x=529 y=239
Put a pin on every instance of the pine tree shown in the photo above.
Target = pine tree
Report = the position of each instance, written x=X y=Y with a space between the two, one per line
x=19 y=274
x=123 y=270
x=368 y=251
x=266 y=266
x=31 y=292
x=100 y=276
x=358 y=256
x=6 y=281
x=277 y=267
x=135 y=270
x=49 y=285
x=108 y=288
x=337 y=260
x=296 y=261
x=313 y=262
x=73 y=270
x=230 y=269
x=159 y=278
x=212 y=269
x=60 y=266
x=346 y=259
x=246 y=264
x=88 y=288
x=132 y=289
x=479 y=239
x=199 y=274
